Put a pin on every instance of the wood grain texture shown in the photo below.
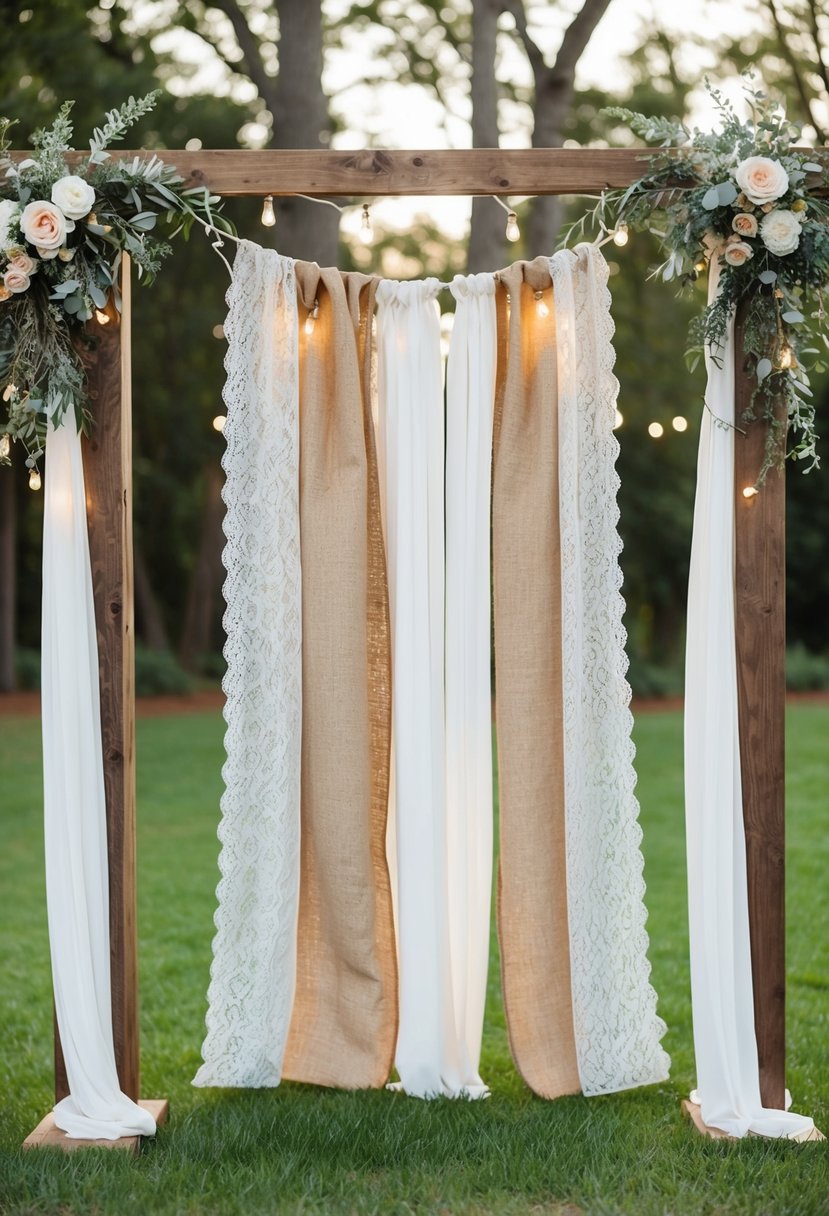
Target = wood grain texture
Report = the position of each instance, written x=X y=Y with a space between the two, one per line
x=760 y=619
x=108 y=473
x=47 y=1135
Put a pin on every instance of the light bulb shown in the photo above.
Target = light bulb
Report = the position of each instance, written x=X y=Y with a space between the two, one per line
x=101 y=317
x=268 y=215
x=34 y=480
x=618 y=419
x=621 y=236
x=513 y=232
x=787 y=358
x=656 y=430
x=9 y=391
x=750 y=491
x=5 y=447
x=699 y=265
x=366 y=230
x=311 y=318
x=541 y=307
x=219 y=422
x=679 y=423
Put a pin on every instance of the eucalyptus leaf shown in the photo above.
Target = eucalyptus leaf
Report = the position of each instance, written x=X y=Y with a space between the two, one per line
x=811 y=167
x=726 y=192
x=763 y=369
x=98 y=297
x=711 y=199
x=793 y=317
x=767 y=276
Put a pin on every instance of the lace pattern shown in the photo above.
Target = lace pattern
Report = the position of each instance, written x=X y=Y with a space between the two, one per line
x=617 y=1028
x=252 y=975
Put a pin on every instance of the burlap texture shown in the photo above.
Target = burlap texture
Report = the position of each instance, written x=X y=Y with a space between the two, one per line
x=344 y=1023
x=532 y=880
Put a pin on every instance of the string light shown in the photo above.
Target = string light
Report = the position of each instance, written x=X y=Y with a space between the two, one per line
x=512 y=231
x=366 y=230
x=34 y=480
x=5 y=447
x=311 y=318
x=219 y=422
x=9 y=391
x=621 y=236
x=656 y=430
x=787 y=358
x=699 y=265
x=541 y=306
x=101 y=317
x=618 y=419
x=268 y=214
x=679 y=423
x=750 y=491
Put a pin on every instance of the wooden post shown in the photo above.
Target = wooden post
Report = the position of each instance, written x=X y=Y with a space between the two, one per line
x=760 y=615
x=108 y=475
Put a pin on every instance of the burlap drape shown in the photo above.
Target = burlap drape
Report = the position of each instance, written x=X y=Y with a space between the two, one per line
x=526 y=557
x=344 y=1023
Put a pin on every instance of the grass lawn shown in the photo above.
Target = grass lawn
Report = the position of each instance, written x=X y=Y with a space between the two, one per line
x=298 y=1149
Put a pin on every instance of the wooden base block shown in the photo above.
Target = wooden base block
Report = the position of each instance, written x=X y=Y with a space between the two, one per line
x=47 y=1135
x=694 y=1113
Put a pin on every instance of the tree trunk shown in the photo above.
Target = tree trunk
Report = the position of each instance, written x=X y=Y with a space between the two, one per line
x=203 y=608
x=553 y=98
x=304 y=230
x=486 y=236
x=8 y=580
x=149 y=622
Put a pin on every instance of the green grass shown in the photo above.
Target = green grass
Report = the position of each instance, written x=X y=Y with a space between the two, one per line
x=298 y=1149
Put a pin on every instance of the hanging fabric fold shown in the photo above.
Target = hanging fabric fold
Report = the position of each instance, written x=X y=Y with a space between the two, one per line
x=470 y=393
x=411 y=441
x=344 y=1020
x=75 y=831
x=721 y=985
x=254 y=950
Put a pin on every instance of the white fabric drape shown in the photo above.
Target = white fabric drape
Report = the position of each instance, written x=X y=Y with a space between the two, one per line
x=77 y=875
x=721 y=987
x=254 y=950
x=411 y=440
x=470 y=395
x=617 y=1030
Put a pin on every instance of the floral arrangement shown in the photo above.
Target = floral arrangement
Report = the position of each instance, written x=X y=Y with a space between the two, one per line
x=63 y=233
x=745 y=195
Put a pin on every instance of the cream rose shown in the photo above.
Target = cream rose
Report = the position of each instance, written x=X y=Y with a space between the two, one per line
x=745 y=225
x=15 y=280
x=780 y=231
x=74 y=196
x=761 y=179
x=737 y=253
x=23 y=263
x=47 y=254
x=44 y=225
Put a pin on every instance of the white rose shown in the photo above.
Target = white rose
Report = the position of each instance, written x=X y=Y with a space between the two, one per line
x=780 y=231
x=9 y=222
x=761 y=179
x=74 y=196
x=44 y=225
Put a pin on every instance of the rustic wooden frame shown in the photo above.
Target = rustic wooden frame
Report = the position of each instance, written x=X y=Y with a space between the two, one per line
x=759 y=574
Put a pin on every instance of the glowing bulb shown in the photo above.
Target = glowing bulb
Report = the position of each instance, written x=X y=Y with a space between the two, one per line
x=218 y=331
x=311 y=318
x=9 y=391
x=34 y=480
x=621 y=235
x=101 y=317
x=787 y=358
x=219 y=422
x=618 y=420
x=366 y=230
x=268 y=215
x=541 y=306
x=699 y=266
x=5 y=447
x=679 y=423
x=656 y=430
x=750 y=491
x=513 y=232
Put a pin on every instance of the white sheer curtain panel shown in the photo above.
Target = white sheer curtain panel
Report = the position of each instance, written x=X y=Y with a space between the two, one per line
x=411 y=441
x=254 y=951
x=721 y=988
x=617 y=1030
x=470 y=396
x=77 y=876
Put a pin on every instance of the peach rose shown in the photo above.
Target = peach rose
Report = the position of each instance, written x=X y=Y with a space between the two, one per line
x=23 y=263
x=761 y=179
x=16 y=281
x=737 y=253
x=44 y=225
x=47 y=254
x=745 y=225
x=743 y=204
x=5 y=294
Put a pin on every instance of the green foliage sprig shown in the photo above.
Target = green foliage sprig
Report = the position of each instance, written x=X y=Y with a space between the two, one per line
x=63 y=234
x=744 y=195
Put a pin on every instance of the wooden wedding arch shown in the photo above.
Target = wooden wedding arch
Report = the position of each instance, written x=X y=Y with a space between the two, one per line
x=759 y=564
